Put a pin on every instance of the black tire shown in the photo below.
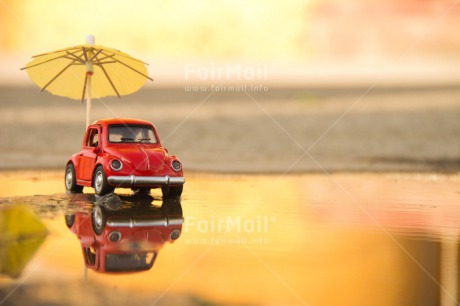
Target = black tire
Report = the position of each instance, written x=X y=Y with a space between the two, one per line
x=98 y=219
x=172 y=191
x=100 y=184
x=172 y=207
x=70 y=180
x=69 y=220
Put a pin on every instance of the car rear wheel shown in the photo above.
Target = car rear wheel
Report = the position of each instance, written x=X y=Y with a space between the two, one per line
x=100 y=184
x=69 y=220
x=170 y=191
x=71 y=180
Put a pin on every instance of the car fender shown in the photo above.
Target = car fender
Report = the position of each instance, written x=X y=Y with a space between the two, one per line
x=74 y=160
x=104 y=161
x=170 y=160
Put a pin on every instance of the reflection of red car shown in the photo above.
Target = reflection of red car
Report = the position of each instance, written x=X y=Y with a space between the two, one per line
x=123 y=153
x=127 y=240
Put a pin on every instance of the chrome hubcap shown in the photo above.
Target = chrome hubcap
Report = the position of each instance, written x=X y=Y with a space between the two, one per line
x=68 y=179
x=98 y=182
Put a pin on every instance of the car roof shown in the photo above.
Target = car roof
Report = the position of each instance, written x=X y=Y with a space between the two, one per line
x=121 y=121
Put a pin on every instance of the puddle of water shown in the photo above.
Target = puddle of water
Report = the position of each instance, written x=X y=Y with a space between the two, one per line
x=259 y=240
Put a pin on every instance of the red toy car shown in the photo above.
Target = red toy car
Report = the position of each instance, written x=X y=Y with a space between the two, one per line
x=126 y=240
x=123 y=153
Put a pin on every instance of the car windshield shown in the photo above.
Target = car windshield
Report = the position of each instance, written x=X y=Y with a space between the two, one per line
x=129 y=262
x=128 y=133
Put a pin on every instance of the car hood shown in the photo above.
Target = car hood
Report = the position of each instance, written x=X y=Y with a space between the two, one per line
x=141 y=157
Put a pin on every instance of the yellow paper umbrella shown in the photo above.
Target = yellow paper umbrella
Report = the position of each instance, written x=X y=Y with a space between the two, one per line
x=87 y=71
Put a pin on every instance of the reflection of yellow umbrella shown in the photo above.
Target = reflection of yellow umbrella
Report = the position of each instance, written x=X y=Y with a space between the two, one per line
x=21 y=234
x=89 y=71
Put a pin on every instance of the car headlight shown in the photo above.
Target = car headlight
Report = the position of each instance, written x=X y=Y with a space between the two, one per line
x=116 y=165
x=176 y=165
x=115 y=236
x=174 y=234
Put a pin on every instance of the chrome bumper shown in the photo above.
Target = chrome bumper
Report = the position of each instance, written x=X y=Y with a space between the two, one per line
x=134 y=222
x=133 y=180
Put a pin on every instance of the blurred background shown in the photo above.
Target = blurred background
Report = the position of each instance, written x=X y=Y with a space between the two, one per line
x=256 y=86
x=250 y=86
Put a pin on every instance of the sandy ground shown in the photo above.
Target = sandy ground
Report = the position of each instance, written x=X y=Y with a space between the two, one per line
x=277 y=131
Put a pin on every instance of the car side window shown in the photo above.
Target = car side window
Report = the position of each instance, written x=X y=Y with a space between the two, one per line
x=93 y=138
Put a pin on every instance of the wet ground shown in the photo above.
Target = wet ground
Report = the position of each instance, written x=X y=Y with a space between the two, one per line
x=341 y=239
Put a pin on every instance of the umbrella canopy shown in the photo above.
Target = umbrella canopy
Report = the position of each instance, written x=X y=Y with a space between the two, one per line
x=87 y=71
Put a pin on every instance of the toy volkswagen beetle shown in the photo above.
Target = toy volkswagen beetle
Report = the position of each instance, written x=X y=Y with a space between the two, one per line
x=123 y=153
x=128 y=239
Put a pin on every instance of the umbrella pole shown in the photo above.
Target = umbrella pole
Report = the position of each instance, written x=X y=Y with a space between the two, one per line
x=85 y=275
x=89 y=73
x=88 y=100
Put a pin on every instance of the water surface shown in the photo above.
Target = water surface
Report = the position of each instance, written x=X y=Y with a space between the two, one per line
x=343 y=239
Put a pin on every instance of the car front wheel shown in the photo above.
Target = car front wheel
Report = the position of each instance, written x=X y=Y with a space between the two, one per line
x=100 y=184
x=169 y=191
x=98 y=219
x=71 y=180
